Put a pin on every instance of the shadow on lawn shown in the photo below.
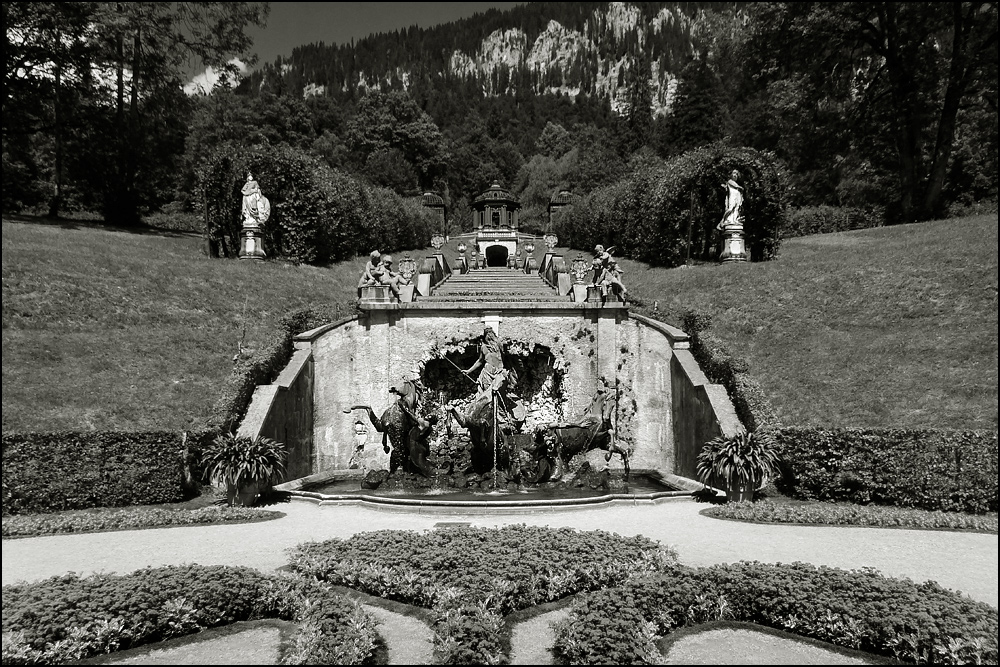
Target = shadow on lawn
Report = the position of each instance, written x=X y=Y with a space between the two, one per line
x=81 y=223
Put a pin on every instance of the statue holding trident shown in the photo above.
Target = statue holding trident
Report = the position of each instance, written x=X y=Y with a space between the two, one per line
x=731 y=225
x=256 y=210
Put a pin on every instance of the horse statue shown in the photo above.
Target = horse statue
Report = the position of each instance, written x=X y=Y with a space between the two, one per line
x=396 y=423
x=593 y=430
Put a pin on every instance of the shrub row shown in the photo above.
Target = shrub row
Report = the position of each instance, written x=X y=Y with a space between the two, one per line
x=661 y=209
x=471 y=577
x=826 y=219
x=924 y=468
x=261 y=366
x=318 y=214
x=69 y=618
x=128 y=519
x=852 y=515
x=857 y=609
x=64 y=470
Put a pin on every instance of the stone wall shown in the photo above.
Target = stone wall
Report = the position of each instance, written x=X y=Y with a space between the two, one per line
x=283 y=411
x=666 y=408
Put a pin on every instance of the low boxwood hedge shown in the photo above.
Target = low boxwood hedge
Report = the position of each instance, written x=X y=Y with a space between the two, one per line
x=129 y=518
x=471 y=577
x=849 y=514
x=857 y=609
x=69 y=618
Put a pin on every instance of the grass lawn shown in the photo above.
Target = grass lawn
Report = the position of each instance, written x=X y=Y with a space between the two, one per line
x=890 y=327
x=110 y=329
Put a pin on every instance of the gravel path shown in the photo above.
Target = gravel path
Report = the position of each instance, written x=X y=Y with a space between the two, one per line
x=531 y=641
x=748 y=647
x=249 y=647
x=961 y=561
x=410 y=641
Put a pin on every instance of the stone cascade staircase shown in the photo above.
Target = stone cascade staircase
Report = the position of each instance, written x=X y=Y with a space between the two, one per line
x=494 y=285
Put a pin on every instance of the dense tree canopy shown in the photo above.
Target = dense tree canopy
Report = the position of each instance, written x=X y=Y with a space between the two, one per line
x=889 y=107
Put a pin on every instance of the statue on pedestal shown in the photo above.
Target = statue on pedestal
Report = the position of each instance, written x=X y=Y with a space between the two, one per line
x=731 y=225
x=256 y=210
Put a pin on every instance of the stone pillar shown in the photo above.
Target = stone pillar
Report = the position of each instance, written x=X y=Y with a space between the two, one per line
x=733 y=245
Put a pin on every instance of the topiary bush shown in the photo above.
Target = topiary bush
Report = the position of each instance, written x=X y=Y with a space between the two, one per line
x=857 y=609
x=647 y=215
x=69 y=618
x=318 y=214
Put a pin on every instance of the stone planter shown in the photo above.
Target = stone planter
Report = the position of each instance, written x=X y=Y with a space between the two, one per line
x=244 y=495
x=737 y=494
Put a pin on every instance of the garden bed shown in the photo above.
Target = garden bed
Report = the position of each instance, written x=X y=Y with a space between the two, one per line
x=69 y=618
x=845 y=514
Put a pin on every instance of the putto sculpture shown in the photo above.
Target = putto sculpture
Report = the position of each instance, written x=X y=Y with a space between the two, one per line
x=255 y=211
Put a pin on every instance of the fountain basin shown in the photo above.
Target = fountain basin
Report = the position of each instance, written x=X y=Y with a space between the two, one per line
x=335 y=487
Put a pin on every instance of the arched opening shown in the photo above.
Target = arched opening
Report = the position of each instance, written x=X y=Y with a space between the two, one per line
x=496 y=255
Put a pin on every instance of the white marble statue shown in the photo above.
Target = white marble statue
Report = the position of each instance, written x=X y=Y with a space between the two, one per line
x=734 y=202
x=256 y=207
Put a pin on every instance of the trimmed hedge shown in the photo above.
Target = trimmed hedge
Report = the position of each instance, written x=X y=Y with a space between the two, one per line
x=68 y=618
x=954 y=471
x=65 y=470
x=847 y=514
x=318 y=214
x=130 y=518
x=827 y=219
x=857 y=609
x=646 y=215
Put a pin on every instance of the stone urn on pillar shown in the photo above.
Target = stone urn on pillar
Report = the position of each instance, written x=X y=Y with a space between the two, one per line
x=733 y=242
x=256 y=210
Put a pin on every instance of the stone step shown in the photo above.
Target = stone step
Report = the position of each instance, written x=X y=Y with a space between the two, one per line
x=454 y=298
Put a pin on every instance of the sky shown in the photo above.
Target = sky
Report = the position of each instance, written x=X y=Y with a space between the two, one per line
x=292 y=24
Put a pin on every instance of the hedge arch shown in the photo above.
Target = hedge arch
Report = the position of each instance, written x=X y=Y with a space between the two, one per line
x=662 y=208
x=318 y=214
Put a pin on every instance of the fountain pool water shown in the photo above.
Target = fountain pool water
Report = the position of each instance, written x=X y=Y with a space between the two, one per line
x=641 y=487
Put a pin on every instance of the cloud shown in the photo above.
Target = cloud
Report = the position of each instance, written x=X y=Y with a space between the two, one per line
x=205 y=82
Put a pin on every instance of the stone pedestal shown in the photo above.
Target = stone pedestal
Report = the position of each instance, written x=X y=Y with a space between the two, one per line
x=733 y=245
x=580 y=292
x=252 y=244
x=376 y=294
x=594 y=294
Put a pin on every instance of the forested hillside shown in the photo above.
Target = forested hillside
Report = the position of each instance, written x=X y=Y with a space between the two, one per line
x=878 y=112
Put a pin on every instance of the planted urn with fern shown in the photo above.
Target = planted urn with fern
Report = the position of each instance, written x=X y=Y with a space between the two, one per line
x=246 y=466
x=741 y=463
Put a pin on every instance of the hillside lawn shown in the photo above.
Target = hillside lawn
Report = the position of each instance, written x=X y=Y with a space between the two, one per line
x=888 y=327
x=110 y=329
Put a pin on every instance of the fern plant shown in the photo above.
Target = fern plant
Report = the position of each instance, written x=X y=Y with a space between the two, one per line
x=240 y=462
x=744 y=462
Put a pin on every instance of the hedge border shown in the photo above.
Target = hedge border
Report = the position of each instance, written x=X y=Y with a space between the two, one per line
x=856 y=609
x=67 y=617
